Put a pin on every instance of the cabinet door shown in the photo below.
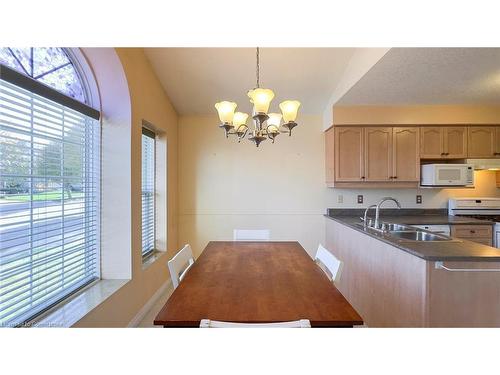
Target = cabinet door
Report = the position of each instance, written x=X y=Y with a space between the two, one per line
x=455 y=142
x=349 y=154
x=378 y=154
x=431 y=142
x=497 y=141
x=329 y=155
x=481 y=142
x=406 y=154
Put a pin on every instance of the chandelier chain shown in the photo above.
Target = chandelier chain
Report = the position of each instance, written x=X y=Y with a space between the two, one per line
x=258 y=69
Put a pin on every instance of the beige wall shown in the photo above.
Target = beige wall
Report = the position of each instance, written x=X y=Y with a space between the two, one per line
x=148 y=102
x=416 y=114
x=224 y=185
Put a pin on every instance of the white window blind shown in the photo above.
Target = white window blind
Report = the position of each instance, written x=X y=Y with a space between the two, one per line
x=148 y=192
x=49 y=165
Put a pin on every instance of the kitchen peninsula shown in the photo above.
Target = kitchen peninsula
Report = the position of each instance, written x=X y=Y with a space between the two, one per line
x=395 y=282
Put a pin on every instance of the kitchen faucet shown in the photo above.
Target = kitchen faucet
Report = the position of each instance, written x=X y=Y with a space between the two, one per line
x=365 y=217
x=377 y=210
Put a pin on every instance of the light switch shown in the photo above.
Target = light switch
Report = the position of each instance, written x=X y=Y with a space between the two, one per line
x=360 y=199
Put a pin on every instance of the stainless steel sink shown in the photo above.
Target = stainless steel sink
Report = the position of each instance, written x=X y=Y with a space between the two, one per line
x=402 y=233
x=418 y=236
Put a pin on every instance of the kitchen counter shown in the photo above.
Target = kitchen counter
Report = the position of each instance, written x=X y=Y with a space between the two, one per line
x=456 y=250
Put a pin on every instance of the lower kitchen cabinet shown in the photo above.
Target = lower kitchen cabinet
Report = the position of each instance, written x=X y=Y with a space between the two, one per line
x=475 y=233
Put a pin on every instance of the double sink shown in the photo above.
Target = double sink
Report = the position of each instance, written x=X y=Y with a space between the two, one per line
x=404 y=233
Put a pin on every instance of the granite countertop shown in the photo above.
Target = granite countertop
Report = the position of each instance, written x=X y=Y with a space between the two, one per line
x=456 y=250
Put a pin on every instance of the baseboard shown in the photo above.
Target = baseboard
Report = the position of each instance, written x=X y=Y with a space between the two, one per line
x=151 y=302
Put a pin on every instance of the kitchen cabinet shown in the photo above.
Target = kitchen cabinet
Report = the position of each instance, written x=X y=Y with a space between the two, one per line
x=475 y=233
x=349 y=151
x=443 y=142
x=372 y=156
x=455 y=142
x=484 y=142
x=431 y=142
x=405 y=154
x=378 y=154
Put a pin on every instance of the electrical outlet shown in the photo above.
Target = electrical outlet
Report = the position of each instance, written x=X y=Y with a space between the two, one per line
x=340 y=198
x=360 y=199
x=419 y=199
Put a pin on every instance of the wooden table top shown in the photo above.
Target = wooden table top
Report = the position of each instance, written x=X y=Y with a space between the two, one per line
x=256 y=282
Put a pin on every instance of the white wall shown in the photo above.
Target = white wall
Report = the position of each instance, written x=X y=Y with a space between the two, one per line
x=224 y=185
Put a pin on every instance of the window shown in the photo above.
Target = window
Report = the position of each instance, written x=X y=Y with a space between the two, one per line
x=50 y=66
x=49 y=178
x=148 y=192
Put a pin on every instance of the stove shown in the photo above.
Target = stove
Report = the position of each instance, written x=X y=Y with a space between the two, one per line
x=487 y=209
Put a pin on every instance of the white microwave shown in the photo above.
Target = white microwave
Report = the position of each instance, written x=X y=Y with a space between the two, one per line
x=447 y=175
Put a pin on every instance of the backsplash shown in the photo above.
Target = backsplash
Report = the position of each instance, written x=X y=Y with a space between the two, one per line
x=485 y=186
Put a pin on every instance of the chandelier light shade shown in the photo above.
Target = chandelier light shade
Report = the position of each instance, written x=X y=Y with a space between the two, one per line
x=266 y=125
x=261 y=99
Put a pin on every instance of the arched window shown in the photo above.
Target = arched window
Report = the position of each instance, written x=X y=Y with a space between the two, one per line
x=49 y=182
x=50 y=66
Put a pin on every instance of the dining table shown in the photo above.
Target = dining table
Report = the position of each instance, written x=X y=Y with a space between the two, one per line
x=256 y=282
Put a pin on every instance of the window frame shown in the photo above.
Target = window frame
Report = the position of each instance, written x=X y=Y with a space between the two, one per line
x=146 y=131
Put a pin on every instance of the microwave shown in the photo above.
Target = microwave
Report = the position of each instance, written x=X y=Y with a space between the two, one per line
x=447 y=175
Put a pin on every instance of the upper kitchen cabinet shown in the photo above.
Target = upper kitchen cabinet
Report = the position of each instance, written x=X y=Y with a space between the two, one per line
x=405 y=154
x=378 y=154
x=444 y=142
x=372 y=156
x=484 y=142
x=431 y=142
x=455 y=142
x=348 y=154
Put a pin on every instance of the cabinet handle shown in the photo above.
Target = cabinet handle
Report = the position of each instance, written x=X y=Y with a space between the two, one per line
x=496 y=153
x=472 y=231
x=442 y=154
x=394 y=176
x=362 y=177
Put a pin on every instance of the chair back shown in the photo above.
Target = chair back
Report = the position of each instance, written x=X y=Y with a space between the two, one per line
x=251 y=235
x=180 y=264
x=330 y=262
x=302 y=323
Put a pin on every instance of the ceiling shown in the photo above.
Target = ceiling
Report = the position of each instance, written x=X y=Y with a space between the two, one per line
x=196 y=78
x=406 y=76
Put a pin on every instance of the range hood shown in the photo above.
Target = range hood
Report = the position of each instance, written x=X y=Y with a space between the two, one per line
x=484 y=164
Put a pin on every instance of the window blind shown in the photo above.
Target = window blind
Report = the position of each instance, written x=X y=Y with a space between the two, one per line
x=148 y=192
x=49 y=174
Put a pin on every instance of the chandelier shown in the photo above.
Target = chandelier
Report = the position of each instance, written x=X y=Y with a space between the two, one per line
x=266 y=125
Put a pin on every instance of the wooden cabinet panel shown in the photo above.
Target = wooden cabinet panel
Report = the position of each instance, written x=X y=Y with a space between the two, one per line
x=330 y=156
x=378 y=154
x=349 y=154
x=482 y=142
x=406 y=154
x=431 y=142
x=497 y=141
x=466 y=231
x=455 y=142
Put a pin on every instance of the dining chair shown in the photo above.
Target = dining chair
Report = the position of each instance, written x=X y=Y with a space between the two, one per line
x=330 y=262
x=302 y=323
x=180 y=264
x=251 y=235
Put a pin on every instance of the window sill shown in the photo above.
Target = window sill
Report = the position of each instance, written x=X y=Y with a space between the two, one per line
x=69 y=312
x=150 y=259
